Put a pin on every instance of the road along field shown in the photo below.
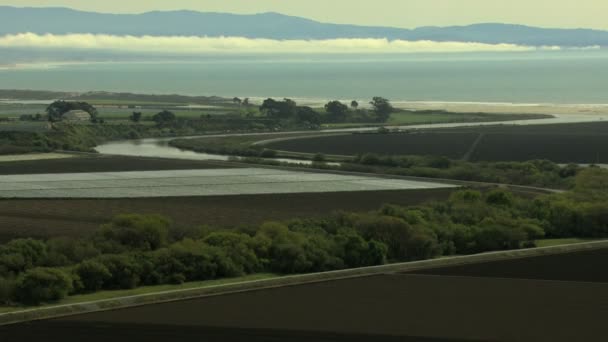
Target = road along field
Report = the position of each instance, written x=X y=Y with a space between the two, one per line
x=561 y=143
x=234 y=181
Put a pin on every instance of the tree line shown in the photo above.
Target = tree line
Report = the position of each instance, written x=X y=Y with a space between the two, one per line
x=335 y=111
x=540 y=173
x=136 y=250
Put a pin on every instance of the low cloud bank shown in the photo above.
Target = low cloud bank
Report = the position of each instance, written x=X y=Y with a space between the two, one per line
x=199 y=45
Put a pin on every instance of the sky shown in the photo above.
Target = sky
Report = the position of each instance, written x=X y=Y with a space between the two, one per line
x=397 y=13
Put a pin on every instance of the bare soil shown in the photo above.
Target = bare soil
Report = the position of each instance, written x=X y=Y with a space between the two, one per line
x=437 y=307
x=78 y=217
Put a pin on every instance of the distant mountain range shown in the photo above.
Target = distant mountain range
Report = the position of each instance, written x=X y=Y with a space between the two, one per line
x=274 y=26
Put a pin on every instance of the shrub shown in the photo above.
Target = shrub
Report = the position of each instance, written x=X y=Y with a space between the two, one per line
x=92 y=275
x=40 y=285
x=7 y=289
x=124 y=269
x=142 y=232
x=21 y=254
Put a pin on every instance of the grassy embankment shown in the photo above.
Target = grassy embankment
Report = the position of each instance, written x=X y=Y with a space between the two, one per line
x=144 y=290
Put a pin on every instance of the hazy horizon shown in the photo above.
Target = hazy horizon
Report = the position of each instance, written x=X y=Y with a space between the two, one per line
x=394 y=13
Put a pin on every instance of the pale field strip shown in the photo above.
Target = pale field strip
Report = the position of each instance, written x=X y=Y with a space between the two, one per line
x=213 y=182
x=34 y=156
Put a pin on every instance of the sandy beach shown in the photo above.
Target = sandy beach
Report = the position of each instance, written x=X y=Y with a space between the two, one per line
x=514 y=108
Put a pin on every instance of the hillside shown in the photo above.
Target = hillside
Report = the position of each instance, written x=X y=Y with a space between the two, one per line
x=274 y=26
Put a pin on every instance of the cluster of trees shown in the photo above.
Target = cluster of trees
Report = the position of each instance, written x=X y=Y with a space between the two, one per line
x=241 y=102
x=163 y=119
x=135 y=250
x=541 y=173
x=335 y=111
x=56 y=109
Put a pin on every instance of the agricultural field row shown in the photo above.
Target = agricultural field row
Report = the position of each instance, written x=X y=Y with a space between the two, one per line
x=449 y=145
x=565 y=143
x=95 y=163
x=44 y=218
x=587 y=266
x=177 y=183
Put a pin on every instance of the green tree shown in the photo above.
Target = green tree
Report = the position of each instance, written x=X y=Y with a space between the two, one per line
x=164 y=118
x=239 y=247
x=354 y=105
x=65 y=251
x=56 y=109
x=307 y=115
x=142 y=232
x=19 y=255
x=40 y=285
x=337 y=111
x=500 y=198
x=382 y=108
x=404 y=241
x=124 y=269
x=285 y=109
x=92 y=275
x=8 y=286
x=135 y=117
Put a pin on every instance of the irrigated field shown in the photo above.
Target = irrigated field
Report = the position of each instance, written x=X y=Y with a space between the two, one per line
x=78 y=217
x=561 y=143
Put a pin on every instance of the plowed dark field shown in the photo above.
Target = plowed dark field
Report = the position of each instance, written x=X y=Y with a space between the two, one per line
x=452 y=145
x=560 y=143
x=78 y=217
x=437 y=307
x=590 y=266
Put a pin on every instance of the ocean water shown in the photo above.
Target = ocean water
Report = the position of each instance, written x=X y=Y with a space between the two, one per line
x=576 y=77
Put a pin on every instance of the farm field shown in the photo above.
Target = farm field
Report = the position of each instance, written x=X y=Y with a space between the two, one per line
x=589 y=266
x=449 y=145
x=561 y=143
x=34 y=156
x=24 y=126
x=177 y=183
x=391 y=307
x=408 y=117
x=93 y=163
x=43 y=218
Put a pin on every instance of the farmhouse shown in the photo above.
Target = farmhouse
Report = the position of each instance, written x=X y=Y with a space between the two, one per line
x=76 y=115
